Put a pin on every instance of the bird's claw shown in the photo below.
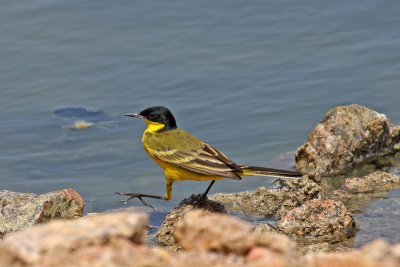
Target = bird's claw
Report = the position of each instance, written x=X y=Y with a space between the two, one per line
x=138 y=196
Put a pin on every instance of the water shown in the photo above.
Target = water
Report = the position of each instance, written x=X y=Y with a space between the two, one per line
x=250 y=78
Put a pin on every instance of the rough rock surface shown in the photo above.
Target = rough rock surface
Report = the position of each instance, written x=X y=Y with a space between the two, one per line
x=318 y=221
x=325 y=247
x=264 y=228
x=199 y=232
x=20 y=210
x=165 y=234
x=266 y=202
x=357 y=192
x=377 y=181
x=94 y=241
x=347 y=136
x=118 y=240
x=202 y=232
x=375 y=254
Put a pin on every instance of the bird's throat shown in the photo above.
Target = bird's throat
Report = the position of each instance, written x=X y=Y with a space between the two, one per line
x=154 y=126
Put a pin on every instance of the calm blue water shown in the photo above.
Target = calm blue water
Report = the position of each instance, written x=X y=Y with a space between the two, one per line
x=251 y=78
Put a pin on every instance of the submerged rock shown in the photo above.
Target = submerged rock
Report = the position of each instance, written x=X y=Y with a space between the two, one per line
x=377 y=181
x=357 y=192
x=266 y=202
x=20 y=210
x=347 y=136
x=81 y=113
x=166 y=233
x=318 y=221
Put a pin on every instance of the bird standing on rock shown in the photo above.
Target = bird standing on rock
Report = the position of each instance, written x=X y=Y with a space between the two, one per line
x=183 y=156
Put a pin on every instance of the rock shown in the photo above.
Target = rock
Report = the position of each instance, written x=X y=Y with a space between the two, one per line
x=273 y=249
x=208 y=239
x=268 y=202
x=200 y=259
x=165 y=234
x=357 y=192
x=82 y=113
x=324 y=247
x=264 y=228
x=347 y=136
x=377 y=254
x=377 y=181
x=115 y=239
x=220 y=233
x=262 y=202
x=20 y=210
x=318 y=221
x=380 y=251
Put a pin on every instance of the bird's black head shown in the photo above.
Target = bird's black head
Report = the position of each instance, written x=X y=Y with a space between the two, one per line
x=157 y=114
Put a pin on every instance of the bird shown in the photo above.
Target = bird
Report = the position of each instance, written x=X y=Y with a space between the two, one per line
x=184 y=156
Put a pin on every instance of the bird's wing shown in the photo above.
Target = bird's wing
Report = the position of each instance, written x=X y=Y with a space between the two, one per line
x=182 y=149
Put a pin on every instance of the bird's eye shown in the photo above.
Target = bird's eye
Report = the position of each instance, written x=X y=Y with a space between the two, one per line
x=152 y=116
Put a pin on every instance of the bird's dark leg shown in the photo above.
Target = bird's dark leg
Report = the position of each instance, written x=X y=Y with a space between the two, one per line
x=208 y=188
x=140 y=197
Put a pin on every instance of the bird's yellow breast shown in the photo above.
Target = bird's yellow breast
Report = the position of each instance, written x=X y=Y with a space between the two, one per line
x=176 y=173
x=159 y=140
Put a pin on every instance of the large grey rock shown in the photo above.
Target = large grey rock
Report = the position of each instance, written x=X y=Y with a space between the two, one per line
x=347 y=136
x=20 y=210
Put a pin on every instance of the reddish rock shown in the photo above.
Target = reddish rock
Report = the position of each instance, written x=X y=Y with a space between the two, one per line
x=20 y=210
x=318 y=221
x=347 y=136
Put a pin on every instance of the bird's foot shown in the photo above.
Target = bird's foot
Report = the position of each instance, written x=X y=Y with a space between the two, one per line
x=140 y=197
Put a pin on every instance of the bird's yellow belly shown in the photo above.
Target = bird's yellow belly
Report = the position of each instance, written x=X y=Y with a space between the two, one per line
x=175 y=173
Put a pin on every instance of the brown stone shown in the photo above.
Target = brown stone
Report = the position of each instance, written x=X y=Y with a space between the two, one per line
x=373 y=182
x=214 y=232
x=166 y=232
x=20 y=210
x=105 y=240
x=347 y=136
x=318 y=221
x=268 y=202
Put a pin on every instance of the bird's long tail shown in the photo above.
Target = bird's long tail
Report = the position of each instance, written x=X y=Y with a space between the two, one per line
x=263 y=171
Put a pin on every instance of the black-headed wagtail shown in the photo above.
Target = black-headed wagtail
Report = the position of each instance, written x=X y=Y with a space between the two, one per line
x=183 y=156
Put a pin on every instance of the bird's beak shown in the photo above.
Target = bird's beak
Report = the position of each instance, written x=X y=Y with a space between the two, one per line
x=134 y=115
